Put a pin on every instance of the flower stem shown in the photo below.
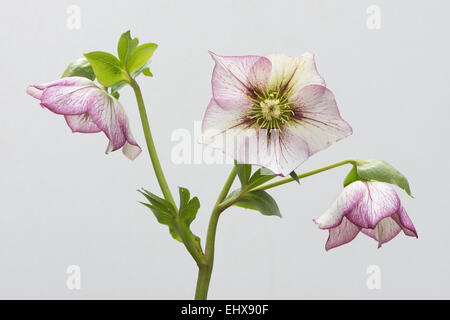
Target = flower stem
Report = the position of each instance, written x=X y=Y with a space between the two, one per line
x=151 y=145
x=205 y=270
x=304 y=175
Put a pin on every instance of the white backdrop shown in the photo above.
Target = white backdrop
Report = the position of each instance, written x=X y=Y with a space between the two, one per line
x=64 y=202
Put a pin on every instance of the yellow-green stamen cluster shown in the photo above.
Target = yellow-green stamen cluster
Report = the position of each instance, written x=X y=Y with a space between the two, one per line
x=270 y=111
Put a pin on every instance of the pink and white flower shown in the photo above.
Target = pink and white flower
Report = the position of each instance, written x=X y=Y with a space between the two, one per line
x=371 y=207
x=275 y=104
x=88 y=108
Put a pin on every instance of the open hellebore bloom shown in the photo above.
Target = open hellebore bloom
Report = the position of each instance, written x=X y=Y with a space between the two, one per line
x=273 y=111
x=371 y=207
x=88 y=109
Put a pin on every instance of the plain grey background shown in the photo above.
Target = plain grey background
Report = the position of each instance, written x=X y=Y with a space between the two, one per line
x=64 y=202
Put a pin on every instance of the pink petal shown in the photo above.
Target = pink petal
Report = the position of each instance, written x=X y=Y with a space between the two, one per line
x=379 y=201
x=385 y=231
x=292 y=74
x=402 y=218
x=344 y=203
x=110 y=118
x=71 y=100
x=36 y=90
x=235 y=78
x=341 y=234
x=318 y=121
x=81 y=123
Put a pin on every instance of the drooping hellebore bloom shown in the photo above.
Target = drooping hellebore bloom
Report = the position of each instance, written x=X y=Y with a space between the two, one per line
x=371 y=207
x=273 y=111
x=88 y=108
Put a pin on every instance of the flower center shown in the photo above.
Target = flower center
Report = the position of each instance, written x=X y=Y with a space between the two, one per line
x=270 y=111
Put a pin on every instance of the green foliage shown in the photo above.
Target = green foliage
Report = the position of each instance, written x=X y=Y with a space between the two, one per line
x=178 y=222
x=107 y=68
x=79 y=68
x=133 y=57
x=258 y=178
x=261 y=201
x=379 y=170
x=244 y=172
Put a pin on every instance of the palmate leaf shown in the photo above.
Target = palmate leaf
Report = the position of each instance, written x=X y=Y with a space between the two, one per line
x=107 y=68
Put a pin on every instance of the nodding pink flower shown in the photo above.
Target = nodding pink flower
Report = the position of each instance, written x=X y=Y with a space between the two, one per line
x=275 y=104
x=88 y=108
x=371 y=207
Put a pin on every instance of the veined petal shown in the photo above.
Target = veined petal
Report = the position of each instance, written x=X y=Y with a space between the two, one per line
x=379 y=201
x=81 y=123
x=403 y=220
x=317 y=118
x=341 y=234
x=235 y=78
x=280 y=152
x=291 y=74
x=36 y=90
x=110 y=117
x=385 y=231
x=71 y=100
x=219 y=123
x=344 y=203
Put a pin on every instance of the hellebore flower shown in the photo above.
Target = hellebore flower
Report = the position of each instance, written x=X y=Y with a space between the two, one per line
x=88 y=108
x=371 y=207
x=275 y=104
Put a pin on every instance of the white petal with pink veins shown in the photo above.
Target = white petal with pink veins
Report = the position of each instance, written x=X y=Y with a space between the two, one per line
x=293 y=73
x=235 y=78
x=379 y=201
x=344 y=203
x=385 y=231
x=342 y=234
x=318 y=121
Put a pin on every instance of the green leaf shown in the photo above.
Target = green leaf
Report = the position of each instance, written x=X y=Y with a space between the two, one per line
x=120 y=85
x=261 y=201
x=352 y=176
x=125 y=46
x=375 y=169
x=295 y=177
x=79 y=68
x=107 y=68
x=139 y=56
x=244 y=172
x=162 y=210
x=147 y=72
x=258 y=178
x=188 y=211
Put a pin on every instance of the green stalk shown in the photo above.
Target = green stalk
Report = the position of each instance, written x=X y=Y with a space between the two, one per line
x=205 y=270
x=304 y=175
x=151 y=145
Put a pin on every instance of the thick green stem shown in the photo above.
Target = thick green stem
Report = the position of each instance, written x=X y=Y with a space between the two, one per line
x=204 y=272
x=151 y=145
x=304 y=175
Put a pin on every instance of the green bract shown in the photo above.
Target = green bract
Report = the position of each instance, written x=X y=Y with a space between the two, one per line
x=107 y=68
x=134 y=57
x=79 y=68
x=379 y=170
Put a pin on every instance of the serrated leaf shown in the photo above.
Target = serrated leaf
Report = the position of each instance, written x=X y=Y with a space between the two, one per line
x=107 y=68
x=379 y=170
x=79 y=68
x=258 y=178
x=244 y=172
x=261 y=201
x=140 y=55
